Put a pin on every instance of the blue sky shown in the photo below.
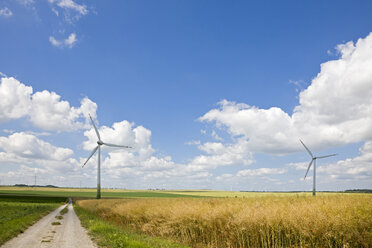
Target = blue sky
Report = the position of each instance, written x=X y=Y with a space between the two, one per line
x=212 y=94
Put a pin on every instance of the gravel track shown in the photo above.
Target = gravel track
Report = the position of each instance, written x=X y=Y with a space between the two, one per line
x=43 y=234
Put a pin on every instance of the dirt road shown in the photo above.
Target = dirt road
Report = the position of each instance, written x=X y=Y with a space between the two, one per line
x=43 y=234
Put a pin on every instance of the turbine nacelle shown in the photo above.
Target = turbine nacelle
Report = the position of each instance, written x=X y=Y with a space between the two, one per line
x=99 y=142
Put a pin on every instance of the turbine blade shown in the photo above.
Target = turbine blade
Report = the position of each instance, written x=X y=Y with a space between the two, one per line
x=307 y=149
x=94 y=150
x=308 y=168
x=95 y=128
x=326 y=156
x=113 y=145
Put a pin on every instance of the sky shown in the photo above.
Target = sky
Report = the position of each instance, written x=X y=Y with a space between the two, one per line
x=210 y=94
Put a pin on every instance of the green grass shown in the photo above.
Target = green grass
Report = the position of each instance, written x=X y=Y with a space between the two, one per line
x=56 y=223
x=18 y=212
x=91 y=193
x=119 y=193
x=26 y=198
x=108 y=234
x=64 y=210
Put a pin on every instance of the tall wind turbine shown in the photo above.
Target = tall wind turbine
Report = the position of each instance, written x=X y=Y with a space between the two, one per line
x=313 y=160
x=98 y=147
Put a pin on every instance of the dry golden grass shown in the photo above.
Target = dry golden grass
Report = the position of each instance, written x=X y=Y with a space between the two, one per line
x=293 y=221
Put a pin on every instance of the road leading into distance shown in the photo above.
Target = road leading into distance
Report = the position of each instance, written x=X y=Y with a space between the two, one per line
x=43 y=234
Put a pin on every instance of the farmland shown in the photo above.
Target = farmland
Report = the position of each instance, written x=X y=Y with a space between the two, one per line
x=17 y=212
x=91 y=193
x=329 y=220
x=205 y=218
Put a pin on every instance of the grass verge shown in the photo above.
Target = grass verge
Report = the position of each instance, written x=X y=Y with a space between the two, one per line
x=108 y=234
x=17 y=213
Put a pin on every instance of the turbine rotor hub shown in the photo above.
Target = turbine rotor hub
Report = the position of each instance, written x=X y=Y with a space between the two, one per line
x=99 y=142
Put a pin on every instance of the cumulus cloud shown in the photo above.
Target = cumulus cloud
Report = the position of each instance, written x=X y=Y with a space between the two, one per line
x=29 y=146
x=336 y=109
x=45 y=109
x=29 y=155
x=125 y=133
x=49 y=112
x=69 y=42
x=358 y=168
x=260 y=172
x=219 y=154
x=5 y=12
x=15 y=99
x=142 y=159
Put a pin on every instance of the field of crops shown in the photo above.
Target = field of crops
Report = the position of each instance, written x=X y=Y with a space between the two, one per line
x=17 y=212
x=91 y=193
x=329 y=220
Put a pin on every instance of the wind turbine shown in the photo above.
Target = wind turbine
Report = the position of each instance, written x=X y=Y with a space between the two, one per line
x=98 y=147
x=313 y=159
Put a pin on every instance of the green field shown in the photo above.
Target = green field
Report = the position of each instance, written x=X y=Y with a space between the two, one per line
x=17 y=212
x=119 y=193
x=91 y=193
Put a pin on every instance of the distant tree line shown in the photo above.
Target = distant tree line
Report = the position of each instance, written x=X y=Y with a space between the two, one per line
x=45 y=186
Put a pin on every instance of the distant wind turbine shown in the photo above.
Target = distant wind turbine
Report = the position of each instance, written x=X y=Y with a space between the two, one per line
x=98 y=147
x=313 y=159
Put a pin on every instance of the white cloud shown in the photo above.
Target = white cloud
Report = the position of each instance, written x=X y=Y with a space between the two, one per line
x=71 y=5
x=121 y=133
x=264 y=129
x=55 y=11
x=55 y=42
x=358 y=168
x=45 y=109
x=70 y=41
x=26 y=2
x=15 y=99
x=299 y=166
x=49 y=112
x=6 y=12
x=224 y=177
x=124 y=133
x=193 y=142
x=336 y=109
x=260 y=172
x=219 y=154
x=142 y=160
x=29 y=146
x=69 y=10
x=215 y=136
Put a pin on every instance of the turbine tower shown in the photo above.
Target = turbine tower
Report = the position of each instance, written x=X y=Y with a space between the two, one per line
x=98 y=147
x=313 y=159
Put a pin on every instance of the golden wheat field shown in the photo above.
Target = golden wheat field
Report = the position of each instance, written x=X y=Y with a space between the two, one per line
x=292 y=221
